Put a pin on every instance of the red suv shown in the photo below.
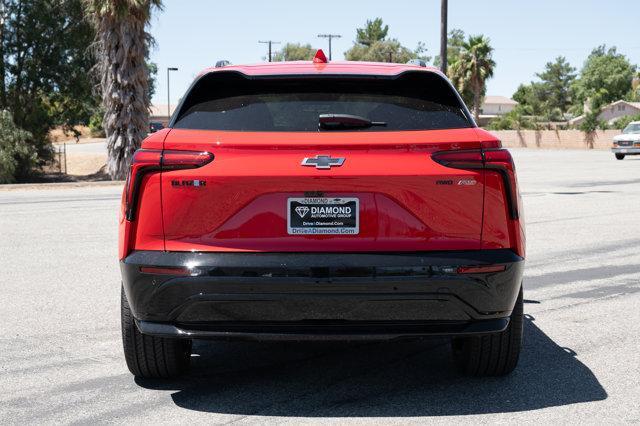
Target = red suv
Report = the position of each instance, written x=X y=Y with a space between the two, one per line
x=313 y=200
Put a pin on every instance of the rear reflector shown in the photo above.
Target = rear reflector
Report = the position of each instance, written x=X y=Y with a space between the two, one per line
x=165 y=270
x=481 y=269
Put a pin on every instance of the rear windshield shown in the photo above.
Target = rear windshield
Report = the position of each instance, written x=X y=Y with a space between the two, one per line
x=230 y=101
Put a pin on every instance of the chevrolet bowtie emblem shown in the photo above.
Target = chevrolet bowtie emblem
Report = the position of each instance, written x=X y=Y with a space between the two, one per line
x=322 y=162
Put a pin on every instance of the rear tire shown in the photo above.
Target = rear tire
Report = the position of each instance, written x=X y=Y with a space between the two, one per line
x=493 y=354
x=151 y=357
x=619 y=156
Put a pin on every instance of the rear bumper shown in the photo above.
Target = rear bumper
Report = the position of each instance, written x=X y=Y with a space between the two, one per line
x=322 y=331
x=626 y=150
x=320 y=295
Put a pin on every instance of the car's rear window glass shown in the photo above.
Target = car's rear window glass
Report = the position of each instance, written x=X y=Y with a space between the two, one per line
x=229 y=101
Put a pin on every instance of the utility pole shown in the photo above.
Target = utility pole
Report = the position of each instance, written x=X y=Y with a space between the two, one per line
x=3 y=87
x=329 y=36
x=443 y=36
x=169 y=69
x=269 y=42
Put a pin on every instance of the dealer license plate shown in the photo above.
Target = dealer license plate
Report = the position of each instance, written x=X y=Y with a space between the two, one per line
x=340 y=216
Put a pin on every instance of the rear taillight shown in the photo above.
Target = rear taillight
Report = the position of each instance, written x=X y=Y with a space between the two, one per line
x=498 y=160
x=144 y=161
x=175 y=160
x=468 y=159
x=147 y=160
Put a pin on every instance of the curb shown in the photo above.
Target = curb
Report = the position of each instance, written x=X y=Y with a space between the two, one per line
x=58 y=185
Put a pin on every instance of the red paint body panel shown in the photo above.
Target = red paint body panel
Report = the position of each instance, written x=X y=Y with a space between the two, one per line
x=243 y=206
x=403 y=204
x=155 y=140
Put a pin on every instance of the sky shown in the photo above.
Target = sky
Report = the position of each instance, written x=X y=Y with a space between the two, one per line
x=194 y=34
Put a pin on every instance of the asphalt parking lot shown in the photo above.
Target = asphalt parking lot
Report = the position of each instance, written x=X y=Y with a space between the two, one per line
x=61 y=358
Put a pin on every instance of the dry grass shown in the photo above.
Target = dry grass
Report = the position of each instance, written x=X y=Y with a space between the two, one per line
x=85 y=164
x=58 y=135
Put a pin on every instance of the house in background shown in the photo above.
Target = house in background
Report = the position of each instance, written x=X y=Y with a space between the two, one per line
x=495 y=106
x=158 y=114
x=612 y=112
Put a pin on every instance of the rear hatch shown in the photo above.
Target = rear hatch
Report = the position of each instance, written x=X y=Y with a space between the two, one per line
x=278 y=183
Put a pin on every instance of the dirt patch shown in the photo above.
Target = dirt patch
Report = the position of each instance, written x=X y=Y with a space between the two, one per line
x=52 y=180
x=58 y=135
x=85 y=164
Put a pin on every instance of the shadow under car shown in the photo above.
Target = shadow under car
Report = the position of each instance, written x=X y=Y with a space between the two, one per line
x=404 y=378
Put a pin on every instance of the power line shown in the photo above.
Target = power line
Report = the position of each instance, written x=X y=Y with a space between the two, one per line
x=555 y=48
x=330 y=37
x=269 y=42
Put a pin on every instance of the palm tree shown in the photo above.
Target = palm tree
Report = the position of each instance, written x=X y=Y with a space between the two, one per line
x=473 y=68
x=122 y=46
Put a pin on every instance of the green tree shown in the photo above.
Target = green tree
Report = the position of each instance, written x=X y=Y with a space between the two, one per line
x=623 y=122
x=14 y=148
x=605 y=77
x=634 y=93
x=557 y=78
x=386 y=51
x=372 y=45
x=455 y=40
x=372 y=32
x=550 y=98
x=517 y=119
x=152 y=68
x=46 y=68
x=590 y=125
x=122 y=43
x=528 y=96
x=473 y=68
x=294 y=52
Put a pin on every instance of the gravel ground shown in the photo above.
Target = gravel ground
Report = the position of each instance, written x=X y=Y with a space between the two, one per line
x=61 y=358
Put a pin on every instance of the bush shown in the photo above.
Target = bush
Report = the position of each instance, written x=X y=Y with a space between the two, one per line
x=591 y=123
x=15 y=150
x=513 y=120
x=95 y=124
x=623 y=122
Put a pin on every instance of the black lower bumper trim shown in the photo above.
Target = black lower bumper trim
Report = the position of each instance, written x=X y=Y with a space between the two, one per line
x=355 y=288
x=322 y=331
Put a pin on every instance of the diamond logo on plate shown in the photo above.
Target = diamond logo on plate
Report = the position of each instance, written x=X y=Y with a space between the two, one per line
x=302 y=210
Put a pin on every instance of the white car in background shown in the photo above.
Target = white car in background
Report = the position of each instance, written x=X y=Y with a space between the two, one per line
x=628 y=143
